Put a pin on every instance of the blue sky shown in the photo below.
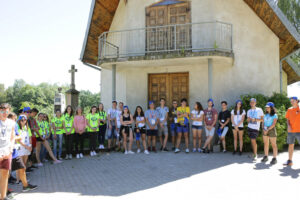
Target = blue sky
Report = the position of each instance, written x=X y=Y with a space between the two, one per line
x=41 y=39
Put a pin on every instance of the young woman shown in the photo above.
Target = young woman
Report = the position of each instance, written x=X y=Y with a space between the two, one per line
x=79 y=125
x=93 y=122
x=126 y=120
x=152 y=119
x=140 y=129
x=68 y=118
x=237 y=118
x=210 y=120
x=40 y=140
x=269 y=134
x=103 y=125
x=47 y=137
x=197 y=125
x=58 y=125
x=173 y=123
x=183 y=113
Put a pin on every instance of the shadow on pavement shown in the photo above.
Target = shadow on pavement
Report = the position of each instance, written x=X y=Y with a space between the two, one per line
x=288 y=171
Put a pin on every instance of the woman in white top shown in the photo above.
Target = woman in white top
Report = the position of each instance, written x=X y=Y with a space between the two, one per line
x=197 y=125
x=25 y=143
x=237 y=119
x=140 y=129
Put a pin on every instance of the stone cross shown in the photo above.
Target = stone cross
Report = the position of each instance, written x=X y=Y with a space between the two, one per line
x=72 y=71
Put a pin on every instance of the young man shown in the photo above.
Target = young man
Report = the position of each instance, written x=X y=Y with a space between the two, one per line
x=173 y=122
x=163 y=125
x=183 y=113
x=112 y=125
x=152 y=119
x=210 y=120
x=254 y=117
x=7 y=135
x=224 y=119
x=293 y=123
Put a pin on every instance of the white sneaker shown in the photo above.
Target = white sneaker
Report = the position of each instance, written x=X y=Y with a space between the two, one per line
x=130 y=152
x=126 y=152
x=70 y=156
x=67 y=157
x=138 y=151
x=100 y=146
x=94 y=153
x=81 y=156
x=146 y=152
x=57 y=162
x=91 y=153
x=40 y=165
x=77 y=156
x=187 y=151
x=177 y=150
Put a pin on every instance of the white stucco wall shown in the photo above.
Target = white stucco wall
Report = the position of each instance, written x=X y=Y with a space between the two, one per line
x=256 y=55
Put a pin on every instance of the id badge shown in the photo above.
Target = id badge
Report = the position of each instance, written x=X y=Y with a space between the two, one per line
x=162 y=119
x=69 y=125
x=175 y=120
x=152 y=121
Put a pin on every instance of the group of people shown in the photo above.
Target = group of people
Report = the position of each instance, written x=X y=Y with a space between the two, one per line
x=26 y=138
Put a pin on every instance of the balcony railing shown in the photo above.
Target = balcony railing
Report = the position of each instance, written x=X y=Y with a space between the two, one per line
x=193 y=37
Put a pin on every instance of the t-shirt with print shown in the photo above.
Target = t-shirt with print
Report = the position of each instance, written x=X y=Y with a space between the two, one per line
x=173 y=116
x=238 y=117
x=210 y=116
x=58 y=123
x=162 y=113
x=119 y=114
x=183 y=110
x=223 y=116
x=198 y=115
x=293 y=115
x=268 y=119
x=140 y=118
x=113 y=115
x=93 y=121
x=6 y=128
x=102 y=116
x=153 y=117
x=69 y=122
x=256 y=113
x=17 y=146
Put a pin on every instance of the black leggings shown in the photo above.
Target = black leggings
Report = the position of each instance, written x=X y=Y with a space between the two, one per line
x=93 y=140
x=79 y=141
x=101 y=135
x=69 y=143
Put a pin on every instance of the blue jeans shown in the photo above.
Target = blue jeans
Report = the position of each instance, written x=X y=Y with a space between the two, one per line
x=60 y=142
x=44 y=151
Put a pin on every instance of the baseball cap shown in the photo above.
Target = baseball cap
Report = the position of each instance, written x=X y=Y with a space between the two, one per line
x=151 y=102
x=253 y=99
x=22 y=117
x=295 y=98
x=26 y=109
x=270 y=104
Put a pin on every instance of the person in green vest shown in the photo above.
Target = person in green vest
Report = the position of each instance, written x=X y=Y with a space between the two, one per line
x=93 y=122
x=68 y=118
x=103 y=125
x=43 y=153
x=58 y=125
x=41 y=139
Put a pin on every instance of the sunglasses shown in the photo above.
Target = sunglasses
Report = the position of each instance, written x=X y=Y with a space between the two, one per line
x=4 y=112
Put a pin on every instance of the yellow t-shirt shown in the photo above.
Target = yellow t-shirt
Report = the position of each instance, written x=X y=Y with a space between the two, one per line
x=183 y=110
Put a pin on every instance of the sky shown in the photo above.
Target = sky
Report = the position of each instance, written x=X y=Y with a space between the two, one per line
x=41 y=39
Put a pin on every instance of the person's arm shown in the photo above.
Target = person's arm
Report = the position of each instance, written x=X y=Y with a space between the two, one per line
x=131 y=119
x=227 y=121
x=215 y=119
x=121 y=120
x=248 y=117
x=242 y=120
x=109 y=119
x=232 y=119
x=166 y=117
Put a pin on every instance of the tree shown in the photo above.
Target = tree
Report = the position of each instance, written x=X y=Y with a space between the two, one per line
x=2 y=94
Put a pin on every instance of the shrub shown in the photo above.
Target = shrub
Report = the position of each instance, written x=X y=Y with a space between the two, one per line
x=281 y=102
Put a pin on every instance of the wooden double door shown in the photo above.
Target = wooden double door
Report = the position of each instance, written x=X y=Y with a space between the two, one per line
x=171 y=86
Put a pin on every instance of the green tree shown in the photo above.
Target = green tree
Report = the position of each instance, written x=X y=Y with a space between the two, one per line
x=2 y=93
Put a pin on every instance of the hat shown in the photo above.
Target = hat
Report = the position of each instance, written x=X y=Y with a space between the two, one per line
x=239 y=101
x=270 y=104
x=253 y=99
x=125 y=107
x=295 y=98
x=211 y=101
x=22 y=117
x=151 y=102
x=26 y=109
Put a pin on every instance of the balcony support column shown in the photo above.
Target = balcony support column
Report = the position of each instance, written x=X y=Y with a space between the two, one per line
x=113 y=84
x=210 y=77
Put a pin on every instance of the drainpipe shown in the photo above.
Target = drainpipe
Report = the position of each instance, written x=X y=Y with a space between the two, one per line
x=280 y=67
x=113 y=84
x=210 y=77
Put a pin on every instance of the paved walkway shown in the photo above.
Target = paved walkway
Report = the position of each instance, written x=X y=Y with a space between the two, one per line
x=165 y=176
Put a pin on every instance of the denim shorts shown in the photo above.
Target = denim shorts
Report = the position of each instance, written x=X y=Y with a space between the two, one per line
x=182 y=128
x=162 y=130
x=197 y=127
x=112 y=133
x=151 y=132
x=173 y=128
x=253 y=133
x=211 y=132
x=292 y=137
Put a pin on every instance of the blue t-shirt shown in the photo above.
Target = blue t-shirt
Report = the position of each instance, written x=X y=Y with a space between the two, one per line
x=152 y=116
x=15 y=151
x=162 y=113
x=268 y=119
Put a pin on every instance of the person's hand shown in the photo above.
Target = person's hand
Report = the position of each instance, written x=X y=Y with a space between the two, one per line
x=208 y=128
x=95 y=129
x=265 y=132
x=161 y=125
x=55 y=136
x=236 y=128
x=137 y=130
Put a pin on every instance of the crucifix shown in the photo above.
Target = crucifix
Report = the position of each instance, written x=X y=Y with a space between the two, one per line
x=72 y=71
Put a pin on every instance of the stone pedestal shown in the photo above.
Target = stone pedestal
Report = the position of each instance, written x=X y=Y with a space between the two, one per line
x=72 y=97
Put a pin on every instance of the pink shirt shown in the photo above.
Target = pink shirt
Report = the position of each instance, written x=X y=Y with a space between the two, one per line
x=79 y=123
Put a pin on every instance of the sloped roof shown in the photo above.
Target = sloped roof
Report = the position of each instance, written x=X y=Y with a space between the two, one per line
x=102 y=13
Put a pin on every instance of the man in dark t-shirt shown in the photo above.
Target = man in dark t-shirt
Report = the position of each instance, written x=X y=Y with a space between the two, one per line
x=224 y=119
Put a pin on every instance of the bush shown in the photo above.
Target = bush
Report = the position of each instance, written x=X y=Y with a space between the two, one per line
x=281 y=102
